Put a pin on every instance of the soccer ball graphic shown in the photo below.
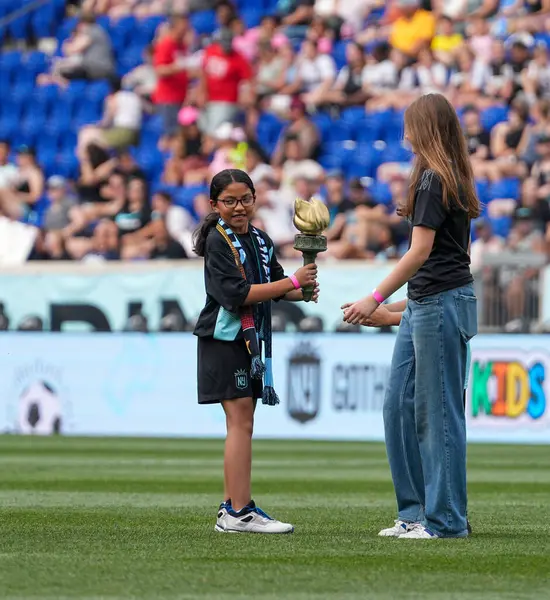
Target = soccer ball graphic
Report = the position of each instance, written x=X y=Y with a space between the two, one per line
x=39 y=410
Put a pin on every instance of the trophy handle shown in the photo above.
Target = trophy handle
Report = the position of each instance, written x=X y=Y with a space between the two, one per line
x=309 y=258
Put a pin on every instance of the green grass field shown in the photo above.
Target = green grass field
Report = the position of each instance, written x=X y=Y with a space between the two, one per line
x=129 y=518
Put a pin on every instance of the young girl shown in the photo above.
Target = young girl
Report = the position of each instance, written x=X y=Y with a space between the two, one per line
x=242 y=277
x=424 y=416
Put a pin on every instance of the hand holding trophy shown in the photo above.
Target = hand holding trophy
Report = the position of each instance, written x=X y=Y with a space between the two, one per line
x=311 y=218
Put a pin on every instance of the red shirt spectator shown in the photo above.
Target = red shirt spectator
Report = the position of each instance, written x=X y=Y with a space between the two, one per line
x=224 y=72
x=171 y=88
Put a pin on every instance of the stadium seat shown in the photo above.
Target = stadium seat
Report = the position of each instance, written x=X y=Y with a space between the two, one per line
x=20 y=27
x=96 y=91
x=339 y=54
x=501 y=226
x=251 y=16
x=396 y=152
x=369 y=129
x=492 y=116
x=505 y=188
x=339 y=131
x=381 y=193
x=354 y=115
x=43 y=21
x=185 y=196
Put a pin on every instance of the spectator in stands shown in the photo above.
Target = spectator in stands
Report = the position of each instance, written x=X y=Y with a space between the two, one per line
x=87 y=54
x=136 y=212
x=187 y=164
x=509 y=141
x=478 y=140
x=348 y=87
x=8 y=171
x=127 y=166
x=336 y=199
x=316 y=73
x=469 y=79
x=446 y=42
x=499 y=85
x=344 y=17
x=18 y=200
x=223 y=74
x=227 y=154
x=225 y=13
x=270 y=69
x=120 y=126
x=521 y=286
x=167 y=235
x=536 y=78
x=57 y=219
x=143 y=79
x=413 y=30
x=424 y=77
x=171 y=62
x=486 y=242
x=257 y=163
x=274 y=214
x=381 y=76
x=104 y=245
x=301 y=128
x=296 y=16
x=479 y=41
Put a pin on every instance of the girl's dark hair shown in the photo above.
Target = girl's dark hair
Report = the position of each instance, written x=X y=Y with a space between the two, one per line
x=218 y=184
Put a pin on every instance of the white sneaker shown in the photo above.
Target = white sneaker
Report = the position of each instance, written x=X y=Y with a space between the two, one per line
x=250 y=519
x=419 y=532
x=222 y=511
x=399 y=529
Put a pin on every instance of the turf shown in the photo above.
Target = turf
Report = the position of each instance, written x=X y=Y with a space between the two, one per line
x=133 y=518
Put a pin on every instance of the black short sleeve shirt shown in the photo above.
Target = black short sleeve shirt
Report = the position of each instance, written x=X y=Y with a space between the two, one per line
x=448 y=265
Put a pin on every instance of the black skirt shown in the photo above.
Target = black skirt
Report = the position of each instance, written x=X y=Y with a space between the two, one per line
x=223 y=370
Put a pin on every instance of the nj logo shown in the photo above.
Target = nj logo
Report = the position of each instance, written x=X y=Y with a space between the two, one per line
x=241 y=379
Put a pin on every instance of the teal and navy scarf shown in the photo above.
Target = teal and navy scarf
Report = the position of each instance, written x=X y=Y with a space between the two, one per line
x=258 y=368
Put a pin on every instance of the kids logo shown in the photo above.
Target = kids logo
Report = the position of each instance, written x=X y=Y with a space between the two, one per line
x=508 y=387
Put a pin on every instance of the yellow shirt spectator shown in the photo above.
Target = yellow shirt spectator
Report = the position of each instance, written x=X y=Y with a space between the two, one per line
x=447 y=43
x=408 y=32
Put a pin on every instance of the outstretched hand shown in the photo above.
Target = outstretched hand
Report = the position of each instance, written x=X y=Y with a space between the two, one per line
x=357 y=313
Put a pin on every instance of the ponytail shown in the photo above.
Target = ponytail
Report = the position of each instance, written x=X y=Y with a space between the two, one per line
x=201 y=233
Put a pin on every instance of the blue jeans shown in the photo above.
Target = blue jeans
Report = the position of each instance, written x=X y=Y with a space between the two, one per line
x=424 y=419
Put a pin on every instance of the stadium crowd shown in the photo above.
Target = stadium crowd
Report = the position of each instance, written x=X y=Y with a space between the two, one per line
x=108 y=144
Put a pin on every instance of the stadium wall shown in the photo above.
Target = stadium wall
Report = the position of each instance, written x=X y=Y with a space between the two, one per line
x=331 y=387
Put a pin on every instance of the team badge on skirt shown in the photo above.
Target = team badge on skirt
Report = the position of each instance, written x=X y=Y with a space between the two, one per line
x=241 y=379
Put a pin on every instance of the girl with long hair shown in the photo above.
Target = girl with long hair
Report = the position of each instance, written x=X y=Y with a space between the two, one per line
x=242 y=277
x=424 y=416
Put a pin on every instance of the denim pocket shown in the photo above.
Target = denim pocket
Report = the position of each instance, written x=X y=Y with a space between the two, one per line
x=466 y=307
x=427 y=300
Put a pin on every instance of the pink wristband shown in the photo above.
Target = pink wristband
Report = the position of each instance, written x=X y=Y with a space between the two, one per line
x=378 y=296
x=295 y=282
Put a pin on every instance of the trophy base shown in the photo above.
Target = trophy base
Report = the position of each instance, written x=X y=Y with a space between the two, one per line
x=309 y=246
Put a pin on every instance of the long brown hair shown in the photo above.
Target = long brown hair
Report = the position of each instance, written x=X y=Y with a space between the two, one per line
x=439 y=144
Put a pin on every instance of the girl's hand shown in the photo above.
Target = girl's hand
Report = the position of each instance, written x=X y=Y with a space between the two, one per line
x=315 y=296
x=360 y=311
x=306 y=275
x=381 y=317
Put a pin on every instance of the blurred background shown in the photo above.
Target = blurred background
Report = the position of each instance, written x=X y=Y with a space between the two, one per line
x=114 y=116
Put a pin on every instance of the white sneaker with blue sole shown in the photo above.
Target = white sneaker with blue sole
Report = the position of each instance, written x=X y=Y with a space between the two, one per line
x=250 y=519
x=419 y=532
x=399 y=529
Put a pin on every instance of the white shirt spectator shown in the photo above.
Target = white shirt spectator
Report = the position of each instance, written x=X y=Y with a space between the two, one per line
x=8 y=175
x=427 y=79
x=314 y=72
x=128 y=110
x=478 y=76
x=540 y=74
x=180 y=225
x=382 y=75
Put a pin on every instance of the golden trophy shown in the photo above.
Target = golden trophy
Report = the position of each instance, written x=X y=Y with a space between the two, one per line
x=311 y=218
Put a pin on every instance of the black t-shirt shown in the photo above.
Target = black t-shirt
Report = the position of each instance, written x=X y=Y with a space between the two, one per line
x=448 y=266
x=225 y=286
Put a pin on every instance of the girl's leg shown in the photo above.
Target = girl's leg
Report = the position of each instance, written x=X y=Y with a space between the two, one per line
x=239 y=415
x=441 y=326
x=399 y=419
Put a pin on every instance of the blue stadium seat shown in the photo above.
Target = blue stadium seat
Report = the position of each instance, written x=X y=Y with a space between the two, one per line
x=20 y=27
x=369 y=129
x=148 y=28
x=10 y=62
x=396 y=152
x=185 y=196
x=96 y=91
x=32 y=126
x=252 y=16
x=44 y=20
x=364 y=161
x=505 y=188
x=323 y=122
x=71 y=97
x=45 y=96
x=59 y=121
x=354 y=115
x=85 y=114
x=35 y=63
x=66 y=28
x=339 y=131
x=339 y=54
x=501 y=226
x=66 y=164
x=381 y=193
x=204 y=21
x=393 y=127
x=151 y=161
x=492 y=116
x=153 y=124
x=482 y=190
